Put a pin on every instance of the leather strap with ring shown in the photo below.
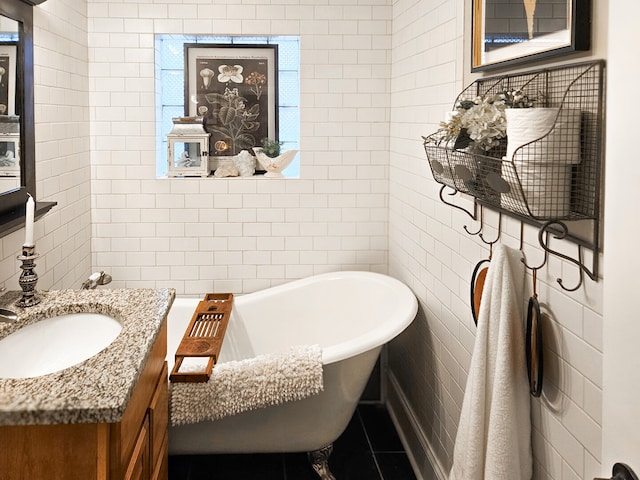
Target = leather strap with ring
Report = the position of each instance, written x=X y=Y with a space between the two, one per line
x=534 y=343
x=477 y=284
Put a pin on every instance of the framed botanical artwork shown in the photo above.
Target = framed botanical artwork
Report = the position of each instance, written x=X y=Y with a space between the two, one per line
x=511 y=32
x=8 y=56
x=234 y=88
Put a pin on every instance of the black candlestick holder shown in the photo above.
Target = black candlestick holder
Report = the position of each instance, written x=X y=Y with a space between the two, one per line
x=28 y=278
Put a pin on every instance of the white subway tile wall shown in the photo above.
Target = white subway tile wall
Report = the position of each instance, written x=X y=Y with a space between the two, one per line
x=250 y=233
x=375 y=76
x=430 y=251
x=63 y=172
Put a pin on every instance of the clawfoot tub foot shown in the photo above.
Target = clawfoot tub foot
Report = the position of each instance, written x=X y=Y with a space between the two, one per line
x=320 y=462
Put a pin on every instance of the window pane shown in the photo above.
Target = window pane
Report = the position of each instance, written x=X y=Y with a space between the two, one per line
x=210 y=39
x=249 y=40
x=168 y=113
x=288 y=93
x=172 y=53
x=289 y=119
x=288 y=54
x=173 y=87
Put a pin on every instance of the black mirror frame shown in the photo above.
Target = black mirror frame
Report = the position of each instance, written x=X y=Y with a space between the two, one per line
x=12 y=203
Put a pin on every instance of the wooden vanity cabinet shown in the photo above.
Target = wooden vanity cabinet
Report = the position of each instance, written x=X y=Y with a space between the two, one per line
x=136 y=448
x=136 y=441
x=149 y=459
x=159 y=435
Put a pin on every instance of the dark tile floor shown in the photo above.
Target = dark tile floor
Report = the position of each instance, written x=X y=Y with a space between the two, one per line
x=369 y=449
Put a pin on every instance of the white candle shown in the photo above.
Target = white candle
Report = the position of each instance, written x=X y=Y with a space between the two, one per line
x=28 y=224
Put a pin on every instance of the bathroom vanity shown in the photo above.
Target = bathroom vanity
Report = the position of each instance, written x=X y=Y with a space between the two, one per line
x=105 y=418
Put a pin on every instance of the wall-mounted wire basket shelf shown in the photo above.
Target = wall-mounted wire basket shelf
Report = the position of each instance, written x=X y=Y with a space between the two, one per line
x=547 y=170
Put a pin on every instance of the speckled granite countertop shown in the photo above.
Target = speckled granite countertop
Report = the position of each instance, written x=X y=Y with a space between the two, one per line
x=98 y=389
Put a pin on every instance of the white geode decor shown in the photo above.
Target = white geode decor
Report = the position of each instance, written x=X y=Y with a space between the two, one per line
x=226 y=171
x=274 y=166
x=245 y=163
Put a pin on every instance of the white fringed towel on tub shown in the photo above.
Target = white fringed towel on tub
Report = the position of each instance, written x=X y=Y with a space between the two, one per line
x=494 y=434
x=243 y=385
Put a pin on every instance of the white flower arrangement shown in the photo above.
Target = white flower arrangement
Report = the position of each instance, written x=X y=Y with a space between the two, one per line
x=481 y=123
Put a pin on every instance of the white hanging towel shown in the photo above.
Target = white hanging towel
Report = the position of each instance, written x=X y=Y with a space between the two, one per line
x=494 y=434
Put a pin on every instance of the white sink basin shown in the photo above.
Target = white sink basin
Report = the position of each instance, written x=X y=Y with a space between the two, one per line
x=55 y=343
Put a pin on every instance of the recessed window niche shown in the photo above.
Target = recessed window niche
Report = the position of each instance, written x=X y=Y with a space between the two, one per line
x=176 y=77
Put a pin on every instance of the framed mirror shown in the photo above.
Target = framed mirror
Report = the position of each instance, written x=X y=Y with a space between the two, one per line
x=10 y=176
x=17 y=137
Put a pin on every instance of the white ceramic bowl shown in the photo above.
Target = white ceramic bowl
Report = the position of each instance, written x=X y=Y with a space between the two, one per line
x=274 y=166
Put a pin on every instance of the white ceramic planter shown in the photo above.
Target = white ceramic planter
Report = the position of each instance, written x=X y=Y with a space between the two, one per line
x=274 y=166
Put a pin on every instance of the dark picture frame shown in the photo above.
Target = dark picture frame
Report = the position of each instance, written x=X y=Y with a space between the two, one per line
x=234 y=87
x=514 y=32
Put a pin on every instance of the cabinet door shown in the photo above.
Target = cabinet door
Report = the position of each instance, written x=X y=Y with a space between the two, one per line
x=159 y=420
x=139 y=466
x=161 y=471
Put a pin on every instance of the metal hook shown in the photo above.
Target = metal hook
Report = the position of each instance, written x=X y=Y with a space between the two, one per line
x=472 y=215
x=544 y=244
x=499 y=232
x=481 y=223
x=523 y=259
x=559 y=280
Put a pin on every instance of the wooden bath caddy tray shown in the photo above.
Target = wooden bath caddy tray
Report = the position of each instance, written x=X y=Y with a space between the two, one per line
x=203 y=337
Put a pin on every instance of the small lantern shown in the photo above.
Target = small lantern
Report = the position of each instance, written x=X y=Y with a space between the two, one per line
x=187 y=148
x=9 y=146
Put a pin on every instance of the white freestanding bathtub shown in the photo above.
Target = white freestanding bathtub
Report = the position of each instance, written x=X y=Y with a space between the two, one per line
x=351 y=315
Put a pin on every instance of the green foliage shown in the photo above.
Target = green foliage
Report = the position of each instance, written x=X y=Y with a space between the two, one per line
x=271 y=148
